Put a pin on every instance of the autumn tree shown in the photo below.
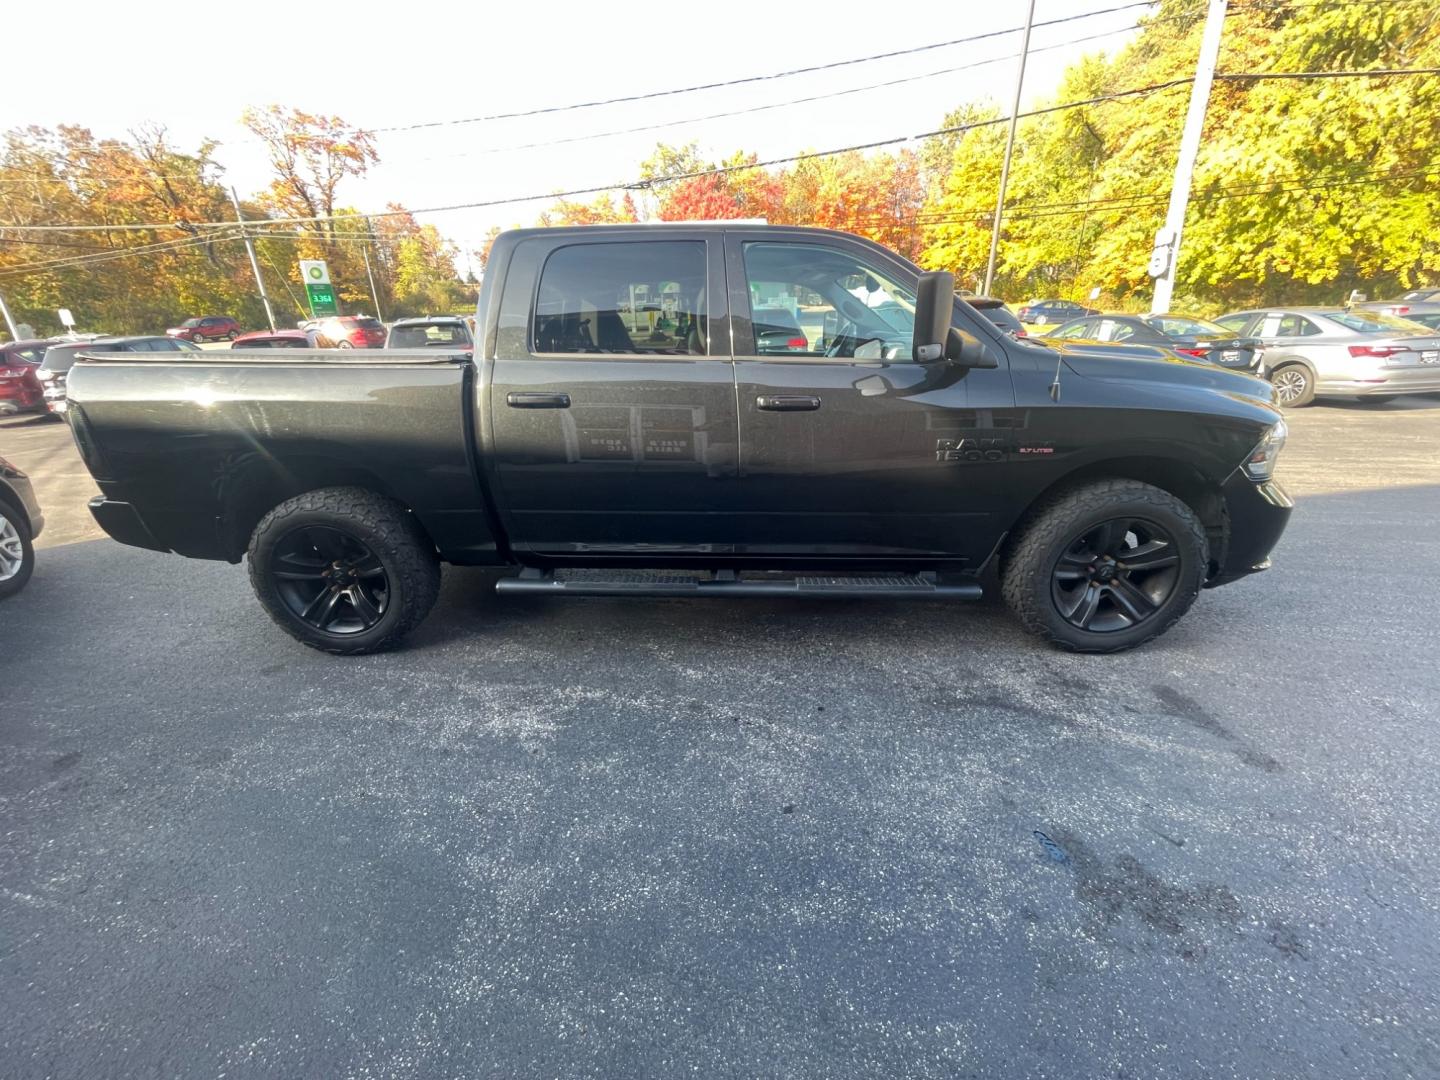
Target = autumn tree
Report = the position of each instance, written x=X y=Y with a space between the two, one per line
x=143 y=260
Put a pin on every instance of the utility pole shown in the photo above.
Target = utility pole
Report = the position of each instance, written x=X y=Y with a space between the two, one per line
x=1166 y=255
x=9 y=322
x=254 y=266
x=1009 y=151
x=365 y=251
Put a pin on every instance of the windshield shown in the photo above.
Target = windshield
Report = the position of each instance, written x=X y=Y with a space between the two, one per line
x=1178 y=326
x=1375 y=322
x=190 y=324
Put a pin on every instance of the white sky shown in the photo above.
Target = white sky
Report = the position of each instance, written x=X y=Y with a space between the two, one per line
x=195 y=66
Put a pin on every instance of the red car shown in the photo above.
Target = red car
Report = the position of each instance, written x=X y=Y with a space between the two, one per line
x=206 y=328
x=350 y=332
x=276 y=339
x=20 y=389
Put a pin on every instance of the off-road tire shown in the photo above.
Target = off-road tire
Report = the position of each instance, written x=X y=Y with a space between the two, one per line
x=411 y=564
x=1030 y=560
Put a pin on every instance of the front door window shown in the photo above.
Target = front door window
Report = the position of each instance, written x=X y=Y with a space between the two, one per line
x=807 y=300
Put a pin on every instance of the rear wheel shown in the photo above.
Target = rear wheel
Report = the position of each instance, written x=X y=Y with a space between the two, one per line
x=1294 y=386
x=344 y=345
x=232 y=335
x=1105 y=567
x=17 y=555
x=343 y=570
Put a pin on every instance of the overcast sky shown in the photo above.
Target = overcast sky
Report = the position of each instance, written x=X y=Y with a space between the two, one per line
x=194 y=67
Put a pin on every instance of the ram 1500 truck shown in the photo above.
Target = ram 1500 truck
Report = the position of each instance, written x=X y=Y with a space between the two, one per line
x=623 y=430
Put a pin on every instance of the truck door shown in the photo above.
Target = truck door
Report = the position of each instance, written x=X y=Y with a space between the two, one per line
x=848 y=447
x=613 y=426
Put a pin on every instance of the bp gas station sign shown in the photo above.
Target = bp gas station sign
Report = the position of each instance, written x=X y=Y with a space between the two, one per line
x=318 y=289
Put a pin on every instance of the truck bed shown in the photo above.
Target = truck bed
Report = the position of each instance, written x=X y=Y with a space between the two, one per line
x=208 y=442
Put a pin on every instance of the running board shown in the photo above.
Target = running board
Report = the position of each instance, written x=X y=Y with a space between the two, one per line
x=730 y=583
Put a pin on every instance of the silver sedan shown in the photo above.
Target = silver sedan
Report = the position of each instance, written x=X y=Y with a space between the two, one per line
x=1338 y=352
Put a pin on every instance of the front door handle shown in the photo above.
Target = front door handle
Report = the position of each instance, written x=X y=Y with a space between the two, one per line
x=787 y=403
x=537 y=401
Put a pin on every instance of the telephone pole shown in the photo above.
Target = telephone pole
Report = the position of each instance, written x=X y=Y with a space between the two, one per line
x=254 y=265
x=365 y=251
x=1009 y=150
x=9 y=322
x=1165 y=256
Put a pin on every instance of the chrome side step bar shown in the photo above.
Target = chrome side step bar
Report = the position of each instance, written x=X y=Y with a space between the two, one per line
x=730 y=583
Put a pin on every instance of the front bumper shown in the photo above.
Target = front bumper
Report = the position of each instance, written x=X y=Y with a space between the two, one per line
x=1258 y=514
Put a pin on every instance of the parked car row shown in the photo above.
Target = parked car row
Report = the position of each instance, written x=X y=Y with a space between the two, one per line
x=1372 y=351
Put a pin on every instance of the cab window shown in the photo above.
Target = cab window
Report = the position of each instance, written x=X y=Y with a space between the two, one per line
x=643 y=298
x=817 y=301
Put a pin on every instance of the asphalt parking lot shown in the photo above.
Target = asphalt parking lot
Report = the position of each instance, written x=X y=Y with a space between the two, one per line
x=727 y=838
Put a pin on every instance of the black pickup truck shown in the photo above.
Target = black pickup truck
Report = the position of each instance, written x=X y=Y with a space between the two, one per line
x=622 y=430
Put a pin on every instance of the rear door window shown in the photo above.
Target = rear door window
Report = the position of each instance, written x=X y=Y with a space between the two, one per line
x=629 y=299
x=1114 y=330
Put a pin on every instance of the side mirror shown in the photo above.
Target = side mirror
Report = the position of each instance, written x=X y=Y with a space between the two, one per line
x=968 y=351
x=934 y=303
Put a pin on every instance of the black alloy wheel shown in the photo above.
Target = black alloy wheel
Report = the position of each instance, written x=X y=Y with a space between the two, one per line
x=330 y=580
x=1115 y=575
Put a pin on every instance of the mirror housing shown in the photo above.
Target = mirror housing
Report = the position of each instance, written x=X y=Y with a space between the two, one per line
x=968 y=351
x=934 y=302
x=936 y=338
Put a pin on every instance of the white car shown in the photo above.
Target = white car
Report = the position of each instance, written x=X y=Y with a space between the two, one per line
x=1315 y=352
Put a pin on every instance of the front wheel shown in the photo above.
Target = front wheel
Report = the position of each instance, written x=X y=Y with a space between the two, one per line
x=343 y=570
x=1106 y=566
x=344 y=345
x=17 y=555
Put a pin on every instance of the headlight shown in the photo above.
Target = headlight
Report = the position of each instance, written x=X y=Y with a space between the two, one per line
x=1260 y=465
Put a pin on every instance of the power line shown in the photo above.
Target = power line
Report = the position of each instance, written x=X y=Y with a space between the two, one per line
x=646 y=184
x=772 y=106
x=161 y=248
x=638 y=184
x=651 y=95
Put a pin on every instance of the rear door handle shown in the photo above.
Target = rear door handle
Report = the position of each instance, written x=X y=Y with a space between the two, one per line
x=537 y=401
x=787 y=403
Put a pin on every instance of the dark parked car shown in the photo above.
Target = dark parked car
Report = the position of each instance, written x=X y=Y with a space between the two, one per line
x=595 y=454
x=1052 y=311
x=777 y=330
x=430 y=332
x=55 y=366
x=20 y=389
x=206 y=328
x=350 y=332
x=998 y=313
x=20 y=523
x=1192 y=337
x=276 y=339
